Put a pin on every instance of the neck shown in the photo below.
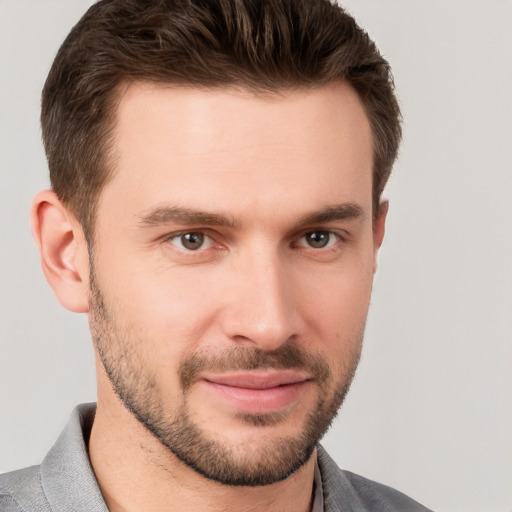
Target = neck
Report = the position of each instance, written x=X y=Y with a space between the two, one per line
x=136 y=472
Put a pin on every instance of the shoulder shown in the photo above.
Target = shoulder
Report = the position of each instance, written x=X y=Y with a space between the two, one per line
x=344 y=490
x=22 y=491
x=380 y=497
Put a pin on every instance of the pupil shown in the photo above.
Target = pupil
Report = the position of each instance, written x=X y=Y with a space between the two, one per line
x=318 y=239
x=192 y=240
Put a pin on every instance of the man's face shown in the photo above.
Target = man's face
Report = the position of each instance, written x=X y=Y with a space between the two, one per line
x=232 y=270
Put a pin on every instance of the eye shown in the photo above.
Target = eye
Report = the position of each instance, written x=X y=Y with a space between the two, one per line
x=318 y=239
x=191 y=241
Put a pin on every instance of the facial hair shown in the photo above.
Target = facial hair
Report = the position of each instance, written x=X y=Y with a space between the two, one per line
x=136 y=386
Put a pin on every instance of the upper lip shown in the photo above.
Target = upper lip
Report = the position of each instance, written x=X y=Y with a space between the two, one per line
x=257 y=379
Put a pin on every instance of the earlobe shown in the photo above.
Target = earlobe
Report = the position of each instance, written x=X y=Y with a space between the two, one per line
x=63 y=251
x=379 y=228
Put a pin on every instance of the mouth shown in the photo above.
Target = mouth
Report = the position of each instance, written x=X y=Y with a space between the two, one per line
x=258 y=392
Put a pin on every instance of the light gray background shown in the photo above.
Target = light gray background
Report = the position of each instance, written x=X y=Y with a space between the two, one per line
x=430 y=411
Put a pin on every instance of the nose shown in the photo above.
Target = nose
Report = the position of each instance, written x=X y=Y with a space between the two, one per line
x=263 y=309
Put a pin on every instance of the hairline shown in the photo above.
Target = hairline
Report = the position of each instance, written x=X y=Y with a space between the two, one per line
x=260 y=90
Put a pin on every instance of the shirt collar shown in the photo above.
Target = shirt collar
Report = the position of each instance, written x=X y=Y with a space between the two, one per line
x=318 y=492
x=66 y=474
x=68 y=479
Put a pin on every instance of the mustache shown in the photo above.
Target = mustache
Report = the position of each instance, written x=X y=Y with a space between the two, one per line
x=288 y=356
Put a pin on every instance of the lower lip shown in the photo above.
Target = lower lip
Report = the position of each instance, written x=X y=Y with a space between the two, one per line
x=259 y=401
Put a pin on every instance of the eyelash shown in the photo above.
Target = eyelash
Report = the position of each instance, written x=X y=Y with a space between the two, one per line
x=333 y=240
x=176 y=240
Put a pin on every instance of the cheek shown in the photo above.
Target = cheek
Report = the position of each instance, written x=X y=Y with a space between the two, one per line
x=336 y=311
x=168 y=311
x=339 y=298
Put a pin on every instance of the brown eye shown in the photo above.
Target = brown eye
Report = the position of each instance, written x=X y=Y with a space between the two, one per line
x=191 y=241
x=319 y=239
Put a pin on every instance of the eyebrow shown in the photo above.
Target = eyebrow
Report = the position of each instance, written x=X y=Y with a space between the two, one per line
x=344 y=211
x=168 y=214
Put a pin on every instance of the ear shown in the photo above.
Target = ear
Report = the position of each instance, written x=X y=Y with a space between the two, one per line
x=63 y=250
x=379 y=228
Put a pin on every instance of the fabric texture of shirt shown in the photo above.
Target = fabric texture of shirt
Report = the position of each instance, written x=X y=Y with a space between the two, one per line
x=65 y=482
x=318 y=493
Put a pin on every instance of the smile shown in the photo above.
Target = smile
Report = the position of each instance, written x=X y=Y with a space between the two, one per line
x=256 y=393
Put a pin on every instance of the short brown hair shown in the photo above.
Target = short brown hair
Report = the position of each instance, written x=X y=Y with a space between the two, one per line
x=262 y=45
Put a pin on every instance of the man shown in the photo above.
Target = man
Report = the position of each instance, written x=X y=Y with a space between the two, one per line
x=217 y=171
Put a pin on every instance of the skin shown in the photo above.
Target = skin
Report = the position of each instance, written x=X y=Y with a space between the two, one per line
x=271 y=167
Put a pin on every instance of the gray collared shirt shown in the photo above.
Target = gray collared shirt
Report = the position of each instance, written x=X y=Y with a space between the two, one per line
x=65 y=482
x=318 y=493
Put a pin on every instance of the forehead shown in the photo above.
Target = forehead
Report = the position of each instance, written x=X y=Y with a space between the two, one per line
x=214 y=146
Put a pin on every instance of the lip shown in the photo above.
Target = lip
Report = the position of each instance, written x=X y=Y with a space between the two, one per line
x=258 y=392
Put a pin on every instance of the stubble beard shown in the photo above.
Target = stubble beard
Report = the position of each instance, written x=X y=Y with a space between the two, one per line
x=264 y=464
